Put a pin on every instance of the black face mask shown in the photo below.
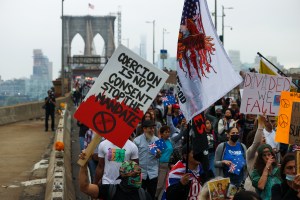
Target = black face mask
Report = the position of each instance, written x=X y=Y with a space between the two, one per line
x=227 y=117
x=234 y=138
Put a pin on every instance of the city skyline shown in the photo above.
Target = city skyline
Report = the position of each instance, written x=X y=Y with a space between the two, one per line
x=269 y=29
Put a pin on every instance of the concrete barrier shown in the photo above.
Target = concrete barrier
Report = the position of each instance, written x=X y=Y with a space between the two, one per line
x=26 y=111
x=59 y=184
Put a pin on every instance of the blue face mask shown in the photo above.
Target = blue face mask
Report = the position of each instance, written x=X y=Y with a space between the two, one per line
x=289 y=177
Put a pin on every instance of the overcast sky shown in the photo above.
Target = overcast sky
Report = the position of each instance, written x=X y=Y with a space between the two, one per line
x=271 y=27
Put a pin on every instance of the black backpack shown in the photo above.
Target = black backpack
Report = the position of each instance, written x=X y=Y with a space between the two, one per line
x=112 y=189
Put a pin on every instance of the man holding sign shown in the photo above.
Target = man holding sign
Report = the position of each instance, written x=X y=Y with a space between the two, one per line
x=120 y=96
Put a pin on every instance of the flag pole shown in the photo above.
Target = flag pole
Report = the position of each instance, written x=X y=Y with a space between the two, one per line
x=187 y=147
x=278 y=70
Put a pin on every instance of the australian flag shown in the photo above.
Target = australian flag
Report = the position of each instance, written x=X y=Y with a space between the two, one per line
x=237 y=165
x=158 y=144
x=169 y=100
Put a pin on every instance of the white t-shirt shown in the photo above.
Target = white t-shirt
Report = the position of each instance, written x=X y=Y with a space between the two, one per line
x=114 y=156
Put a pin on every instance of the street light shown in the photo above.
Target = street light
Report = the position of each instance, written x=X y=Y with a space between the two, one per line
x=163 y=46
x=141 y=44
x=153 y=22
x=62 y=49
x=223 y=15
x=216 y=15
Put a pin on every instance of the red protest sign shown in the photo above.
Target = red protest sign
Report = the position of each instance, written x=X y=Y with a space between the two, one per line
x=120 y=96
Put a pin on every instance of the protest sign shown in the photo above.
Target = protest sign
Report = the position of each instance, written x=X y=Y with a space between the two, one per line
x=288 y=128
x=262 y=93
x=120 y=96
x=218 y=188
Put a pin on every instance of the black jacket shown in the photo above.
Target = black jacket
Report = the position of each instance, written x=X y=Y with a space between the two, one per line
x=283 y=192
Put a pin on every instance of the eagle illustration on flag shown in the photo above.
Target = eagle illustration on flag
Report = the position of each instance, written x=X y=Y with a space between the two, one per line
x=204 y=71
x=194 y=47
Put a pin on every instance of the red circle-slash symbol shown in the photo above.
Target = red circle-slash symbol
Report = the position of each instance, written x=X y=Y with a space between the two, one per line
x=283 y=120
x=285 y=103
x=104 y=122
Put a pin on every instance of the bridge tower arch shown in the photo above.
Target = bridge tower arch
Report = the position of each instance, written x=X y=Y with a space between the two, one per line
x=88 y=27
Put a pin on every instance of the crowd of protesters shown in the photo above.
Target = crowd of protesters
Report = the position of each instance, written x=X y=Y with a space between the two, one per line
x=240 y=147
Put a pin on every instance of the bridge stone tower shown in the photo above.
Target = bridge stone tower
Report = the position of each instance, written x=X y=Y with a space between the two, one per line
x=88 y=27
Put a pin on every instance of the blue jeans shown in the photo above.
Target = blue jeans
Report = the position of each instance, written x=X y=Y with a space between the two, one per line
x=81 y=142
x=211 y=158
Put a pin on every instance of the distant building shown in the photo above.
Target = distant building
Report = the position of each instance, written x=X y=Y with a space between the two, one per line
x=235 y=58
x=294 y=70
x=41 y=79
x=13 y=87
x=41 y=66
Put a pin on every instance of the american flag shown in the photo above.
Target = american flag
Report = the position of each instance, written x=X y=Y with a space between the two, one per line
x=152 y=148
x=91 y=6
x=191 y=8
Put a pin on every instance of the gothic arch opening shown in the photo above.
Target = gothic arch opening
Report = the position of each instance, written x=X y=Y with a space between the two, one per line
x=77 y=45
x=98 y=47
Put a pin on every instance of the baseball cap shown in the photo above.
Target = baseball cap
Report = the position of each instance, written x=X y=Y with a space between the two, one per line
x=148 y=123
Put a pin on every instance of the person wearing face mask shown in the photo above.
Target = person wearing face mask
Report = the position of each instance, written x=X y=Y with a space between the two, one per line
x=224 y=124
x=128 y=189
x=230 y=159
x=289 y=189
x=265 y=173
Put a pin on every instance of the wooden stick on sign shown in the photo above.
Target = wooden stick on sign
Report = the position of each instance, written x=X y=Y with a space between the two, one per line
x=90 y=149
x=297 y=161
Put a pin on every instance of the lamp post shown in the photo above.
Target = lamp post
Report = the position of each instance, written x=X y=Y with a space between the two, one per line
x=216 y=15
x=163 y=46
x=141 y=44
x=62 y=50
x=153 y=56
x=223 y=15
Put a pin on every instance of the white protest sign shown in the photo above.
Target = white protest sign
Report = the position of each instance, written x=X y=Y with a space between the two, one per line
x=120 y=96
x=262 y=92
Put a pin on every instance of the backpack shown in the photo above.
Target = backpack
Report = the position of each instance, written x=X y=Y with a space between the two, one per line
x=112 y=189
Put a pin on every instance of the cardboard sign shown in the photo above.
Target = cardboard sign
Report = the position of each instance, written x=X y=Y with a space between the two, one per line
x=288 y=128
x=218 y=189
x=262 y=92
x=295 y=124
x=120 y=96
